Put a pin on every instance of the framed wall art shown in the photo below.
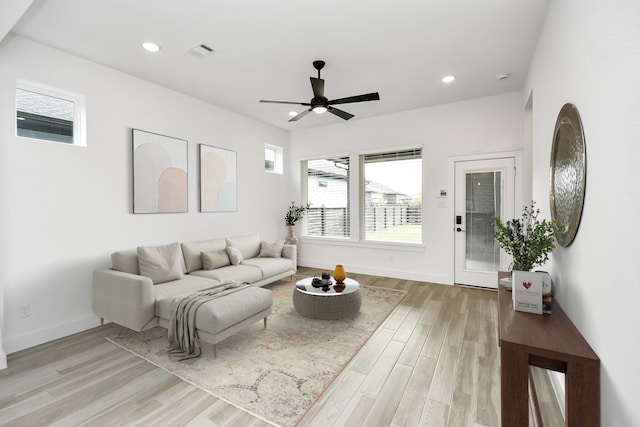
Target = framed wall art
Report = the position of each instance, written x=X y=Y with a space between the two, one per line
x=159 y=173
x=218 y=180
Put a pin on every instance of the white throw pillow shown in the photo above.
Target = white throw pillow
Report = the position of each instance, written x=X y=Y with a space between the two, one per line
x=234 y=255
x=160 y=263
x=215 y=259
x=271 y=249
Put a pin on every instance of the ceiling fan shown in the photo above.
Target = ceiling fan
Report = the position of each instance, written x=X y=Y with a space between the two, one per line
x=320 y=104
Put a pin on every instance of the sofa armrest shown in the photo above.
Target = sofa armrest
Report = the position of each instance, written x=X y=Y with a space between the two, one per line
x=291 y=252
x=124 y=298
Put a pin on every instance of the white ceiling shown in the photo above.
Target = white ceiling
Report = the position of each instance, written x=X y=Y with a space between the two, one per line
x=264 y=49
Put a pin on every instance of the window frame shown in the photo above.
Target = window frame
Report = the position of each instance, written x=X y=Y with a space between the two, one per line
x=278 y=163
x=79 y=111
x=347 y=232
x=362 y=194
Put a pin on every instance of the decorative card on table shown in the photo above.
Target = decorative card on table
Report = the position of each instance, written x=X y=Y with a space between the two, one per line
x=527 y=291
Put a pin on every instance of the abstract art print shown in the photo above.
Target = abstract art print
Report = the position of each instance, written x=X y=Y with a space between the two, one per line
x=217 y=179
x=159 y=173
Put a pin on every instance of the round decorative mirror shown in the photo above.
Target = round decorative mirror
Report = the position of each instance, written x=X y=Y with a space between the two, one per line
x=568 y=173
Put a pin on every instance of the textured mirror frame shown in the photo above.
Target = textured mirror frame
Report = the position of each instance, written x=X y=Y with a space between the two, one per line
x=568 y=173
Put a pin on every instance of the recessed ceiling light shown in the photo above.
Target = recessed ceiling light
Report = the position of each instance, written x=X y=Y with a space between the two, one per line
x=293 y=113
x=151 y=47
x=448 y=79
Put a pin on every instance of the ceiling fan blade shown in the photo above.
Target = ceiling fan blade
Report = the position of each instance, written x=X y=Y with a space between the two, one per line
x=300 y=115
x=306 y=104
x=318 y=87
x=374 y=96
x=340 y=113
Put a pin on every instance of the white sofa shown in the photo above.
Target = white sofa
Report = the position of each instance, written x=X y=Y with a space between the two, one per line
x=140 y=302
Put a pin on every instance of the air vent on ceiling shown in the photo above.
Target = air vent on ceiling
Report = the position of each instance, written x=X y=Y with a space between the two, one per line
x=201 y=50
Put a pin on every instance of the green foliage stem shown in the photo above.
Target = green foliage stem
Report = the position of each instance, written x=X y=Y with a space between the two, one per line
x=528 y=240
x=295 y=213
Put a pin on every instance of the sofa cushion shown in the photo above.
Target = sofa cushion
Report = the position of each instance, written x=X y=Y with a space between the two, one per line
x=127 y=262
x=234 y=273
x=270 y=266
x=271 y=249
x=222 y=313
x=192 y=251
x=248 y=245
x=234 y=255
x=168 y=290
x=236 y=307
x=215 y=259
x=160 y=263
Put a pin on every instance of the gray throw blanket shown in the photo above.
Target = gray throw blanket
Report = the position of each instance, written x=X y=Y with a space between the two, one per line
x=183 y=336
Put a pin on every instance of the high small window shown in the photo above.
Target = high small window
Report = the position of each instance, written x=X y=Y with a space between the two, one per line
x=49 y=114
x=391 y=196
x=273 y=158
x=327 y=190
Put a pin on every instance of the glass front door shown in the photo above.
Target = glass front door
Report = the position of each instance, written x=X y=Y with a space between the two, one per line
x=484 y=190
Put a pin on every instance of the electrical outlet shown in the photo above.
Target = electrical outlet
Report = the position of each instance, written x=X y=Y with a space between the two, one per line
x=25 y=311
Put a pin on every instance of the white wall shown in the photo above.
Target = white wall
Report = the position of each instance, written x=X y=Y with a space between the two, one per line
x=66 y=208
x=484 y=125
x=589 y=55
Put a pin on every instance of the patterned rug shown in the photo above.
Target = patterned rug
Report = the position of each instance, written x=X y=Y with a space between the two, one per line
x=275 y=373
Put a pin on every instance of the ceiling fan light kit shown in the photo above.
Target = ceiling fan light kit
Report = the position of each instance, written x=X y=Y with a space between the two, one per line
x=320 y=104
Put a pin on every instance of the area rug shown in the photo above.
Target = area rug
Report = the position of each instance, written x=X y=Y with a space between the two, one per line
x=275 y=373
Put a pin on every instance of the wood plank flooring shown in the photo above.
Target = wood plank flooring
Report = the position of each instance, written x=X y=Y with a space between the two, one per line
x=434 y=362
x=424 y=366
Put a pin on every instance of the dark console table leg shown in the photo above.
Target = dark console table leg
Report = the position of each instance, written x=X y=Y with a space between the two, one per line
x=582 y=385
x=514 y=387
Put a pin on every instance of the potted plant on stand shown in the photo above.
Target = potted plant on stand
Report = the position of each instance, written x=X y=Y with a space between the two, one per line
x=293 y=215
x=528 y=240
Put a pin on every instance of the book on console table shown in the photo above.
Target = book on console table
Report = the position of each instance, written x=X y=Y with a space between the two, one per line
x=531 y=291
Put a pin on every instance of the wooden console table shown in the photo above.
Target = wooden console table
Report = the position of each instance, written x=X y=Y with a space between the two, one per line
x=550 y=342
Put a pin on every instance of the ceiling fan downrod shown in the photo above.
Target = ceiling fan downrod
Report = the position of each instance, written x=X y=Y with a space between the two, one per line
x=318 y=65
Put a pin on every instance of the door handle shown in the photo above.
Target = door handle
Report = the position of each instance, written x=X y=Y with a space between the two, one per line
x=459 y=229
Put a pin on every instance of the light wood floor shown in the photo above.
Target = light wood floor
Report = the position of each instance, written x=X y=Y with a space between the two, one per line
x=434 y=362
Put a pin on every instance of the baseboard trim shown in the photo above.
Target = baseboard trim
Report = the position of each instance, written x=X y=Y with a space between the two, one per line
x=3 y=361
x=41 y=336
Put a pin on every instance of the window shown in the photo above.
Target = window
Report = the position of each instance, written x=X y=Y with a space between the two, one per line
x=49 y=114
x=327 y=190
x=391 y=196
x=273 y=158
